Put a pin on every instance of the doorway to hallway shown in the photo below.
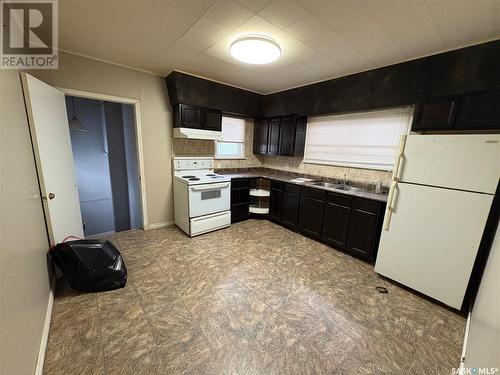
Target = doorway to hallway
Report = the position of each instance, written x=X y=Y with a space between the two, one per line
x=104 y=145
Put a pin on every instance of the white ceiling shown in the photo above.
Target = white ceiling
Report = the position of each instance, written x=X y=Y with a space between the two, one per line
x=320 y=39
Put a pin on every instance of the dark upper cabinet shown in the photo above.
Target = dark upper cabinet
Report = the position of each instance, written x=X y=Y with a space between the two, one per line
x=292 y=135
x=362 y=237
x=213 y=120
x=300 y=136
x=336 y=220
x=260 y=136
x=480 y=111
x=290 y=205
x=312 y=204
x=188 y=116
x=436 y=113
x=275 y=200
x=273 y=139
x=287 y=136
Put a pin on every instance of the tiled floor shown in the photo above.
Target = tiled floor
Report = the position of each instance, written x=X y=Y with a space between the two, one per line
x=251 y=299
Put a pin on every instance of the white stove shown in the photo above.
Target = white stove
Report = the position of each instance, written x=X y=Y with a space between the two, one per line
x=202 y=198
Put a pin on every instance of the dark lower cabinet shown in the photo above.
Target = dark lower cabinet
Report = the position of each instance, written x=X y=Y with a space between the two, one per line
x=336 y=220
x=275 y=200
x=312 y=205
x=290 y=205
x=362 y=239
x=240 y=198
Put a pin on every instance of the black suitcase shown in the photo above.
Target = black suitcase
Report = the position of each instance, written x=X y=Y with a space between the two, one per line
x=91 y=265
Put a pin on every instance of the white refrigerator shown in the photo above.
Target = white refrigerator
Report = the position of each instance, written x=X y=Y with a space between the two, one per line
x=440 y=197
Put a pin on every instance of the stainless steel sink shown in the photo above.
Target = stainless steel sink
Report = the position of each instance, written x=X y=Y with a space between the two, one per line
x=336 y=186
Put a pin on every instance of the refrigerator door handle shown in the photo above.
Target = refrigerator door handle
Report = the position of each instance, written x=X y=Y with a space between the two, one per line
x=400 y=155
x=390 y=208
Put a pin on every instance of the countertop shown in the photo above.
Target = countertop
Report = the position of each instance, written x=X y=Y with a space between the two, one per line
x=381 y=197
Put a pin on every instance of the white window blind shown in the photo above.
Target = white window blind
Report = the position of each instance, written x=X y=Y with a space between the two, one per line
x=232 y=145
x=361 y=140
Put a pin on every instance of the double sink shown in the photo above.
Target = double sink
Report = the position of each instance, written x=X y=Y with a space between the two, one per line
x=329 y=185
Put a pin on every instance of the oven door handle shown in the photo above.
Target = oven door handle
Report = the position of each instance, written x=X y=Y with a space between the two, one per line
x=209 y=187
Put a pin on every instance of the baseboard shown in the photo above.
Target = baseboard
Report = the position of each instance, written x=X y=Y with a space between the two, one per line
x=161 y=224
x=46 y=328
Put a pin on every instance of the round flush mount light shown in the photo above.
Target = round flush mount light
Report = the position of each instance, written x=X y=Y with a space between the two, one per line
x=255 y=49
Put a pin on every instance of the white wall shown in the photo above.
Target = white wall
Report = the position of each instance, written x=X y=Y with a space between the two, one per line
x=483 y=348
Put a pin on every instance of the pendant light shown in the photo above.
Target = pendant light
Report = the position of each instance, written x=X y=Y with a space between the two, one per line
x=75 y=123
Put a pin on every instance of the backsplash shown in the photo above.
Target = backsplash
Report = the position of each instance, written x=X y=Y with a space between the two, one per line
x=198 y=147
x=366 y=176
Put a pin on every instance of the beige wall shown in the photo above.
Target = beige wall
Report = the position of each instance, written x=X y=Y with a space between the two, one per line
x=24 y=277
x=84 y=74
x=24 y=274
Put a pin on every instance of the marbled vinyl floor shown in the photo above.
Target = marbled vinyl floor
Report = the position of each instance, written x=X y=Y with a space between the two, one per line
x=251 y=299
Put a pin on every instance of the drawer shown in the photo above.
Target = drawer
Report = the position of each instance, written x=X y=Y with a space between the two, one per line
x=240 y=183
x=314 y=193
x=276 y=185
x=365 y=205
x=292 y=189
x=339 y=199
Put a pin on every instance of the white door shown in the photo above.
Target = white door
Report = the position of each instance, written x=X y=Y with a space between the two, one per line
x=49 y=128
x=465 y=162
x=432 y=240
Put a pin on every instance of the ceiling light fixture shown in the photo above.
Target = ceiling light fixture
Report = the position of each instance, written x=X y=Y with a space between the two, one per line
x=255 y=49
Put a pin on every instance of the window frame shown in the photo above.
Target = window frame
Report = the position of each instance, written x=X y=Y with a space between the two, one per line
x=241 y=156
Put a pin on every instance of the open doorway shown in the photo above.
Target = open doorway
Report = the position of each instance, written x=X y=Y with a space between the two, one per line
x=104 y=145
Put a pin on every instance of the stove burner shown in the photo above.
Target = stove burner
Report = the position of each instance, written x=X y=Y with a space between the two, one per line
x=194 y=179
x=211 y=175
x=188 y=176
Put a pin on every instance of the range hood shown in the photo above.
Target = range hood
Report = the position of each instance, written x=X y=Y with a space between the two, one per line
x=190 y=133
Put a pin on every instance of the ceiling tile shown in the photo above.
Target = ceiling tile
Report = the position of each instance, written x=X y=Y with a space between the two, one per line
x=354 y=24
x=254 y=6
x=408 y=24
x=203 y=34
x=313 y=5
x=228 y=13
x=283 y=13
x=462 y=21
x=320 y=37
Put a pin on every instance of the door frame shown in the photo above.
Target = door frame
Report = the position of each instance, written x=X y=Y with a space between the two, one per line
x=138 y=137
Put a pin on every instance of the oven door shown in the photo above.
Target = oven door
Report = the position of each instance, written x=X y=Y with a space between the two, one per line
x=207 y=199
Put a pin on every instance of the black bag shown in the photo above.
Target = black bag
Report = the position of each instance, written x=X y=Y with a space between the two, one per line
x=90 y=265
